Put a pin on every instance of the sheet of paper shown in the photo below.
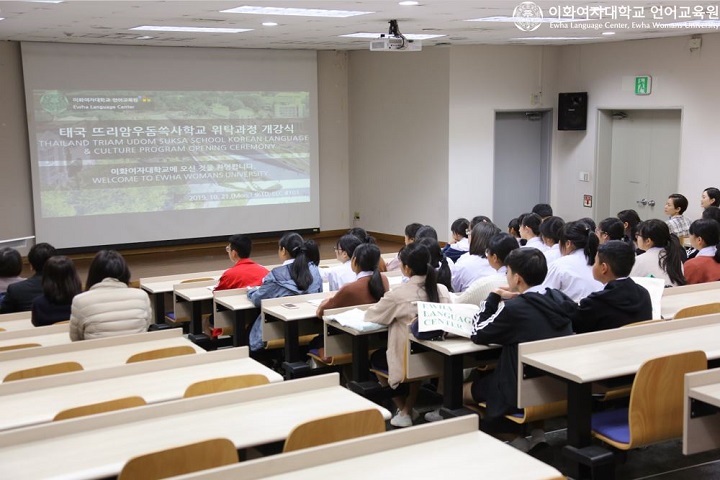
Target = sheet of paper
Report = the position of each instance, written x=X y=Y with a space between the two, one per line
x=455 y=318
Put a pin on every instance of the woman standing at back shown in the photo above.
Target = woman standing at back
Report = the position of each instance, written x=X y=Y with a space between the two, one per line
x=297 y=275
x=109 y=307
x=663 y=254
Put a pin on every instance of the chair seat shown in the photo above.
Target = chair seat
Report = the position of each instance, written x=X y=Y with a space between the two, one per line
x=612 y=424
x=342 y=359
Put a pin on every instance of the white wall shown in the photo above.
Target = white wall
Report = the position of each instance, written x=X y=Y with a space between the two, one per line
x=681 y=79
x=334 y=137
x=399 y=139
x=483 y=80
x=16 y=214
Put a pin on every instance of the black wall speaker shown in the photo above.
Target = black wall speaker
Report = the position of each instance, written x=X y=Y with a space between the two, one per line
x=572 y=111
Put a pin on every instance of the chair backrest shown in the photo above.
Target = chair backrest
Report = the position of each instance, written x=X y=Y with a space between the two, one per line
x=18 y=346
x=2 y=329
x=695 y=310
x=64 y=322
x=180 y=460
x=102 y=407
x=161 y=353
x=334 y=428
x=655 y=413
x=223 y=384
x=43 y=370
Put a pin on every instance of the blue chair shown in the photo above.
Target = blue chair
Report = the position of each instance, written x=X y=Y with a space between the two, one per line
x=655 y=412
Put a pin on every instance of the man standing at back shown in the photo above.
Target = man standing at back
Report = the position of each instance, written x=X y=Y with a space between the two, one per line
x=20 y=295
x=245 y=272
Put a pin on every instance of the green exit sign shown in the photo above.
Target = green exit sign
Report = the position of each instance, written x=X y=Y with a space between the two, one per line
x=643 y=85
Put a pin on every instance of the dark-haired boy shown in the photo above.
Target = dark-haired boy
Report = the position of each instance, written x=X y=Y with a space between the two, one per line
x=20 y=295
x=543 y=209
x=674 y=208
x=523 y=312
x=245 y=272
x=622 y=301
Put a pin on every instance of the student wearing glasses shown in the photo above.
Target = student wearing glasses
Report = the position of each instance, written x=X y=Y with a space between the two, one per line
x=612 y=228
x=339 y=275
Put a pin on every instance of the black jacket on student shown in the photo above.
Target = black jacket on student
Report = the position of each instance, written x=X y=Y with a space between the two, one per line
x=621 y=302
x=528 y=317
x=20 y=295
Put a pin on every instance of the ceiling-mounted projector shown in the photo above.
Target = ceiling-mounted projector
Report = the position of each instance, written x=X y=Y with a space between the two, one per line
x=394 y=44
x=394 y=41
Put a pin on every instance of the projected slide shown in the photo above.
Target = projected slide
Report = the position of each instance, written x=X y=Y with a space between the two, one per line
x=106 y=152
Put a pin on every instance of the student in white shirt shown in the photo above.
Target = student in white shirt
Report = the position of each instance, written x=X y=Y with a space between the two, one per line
x=460 y=244
x=339 y=275
x=550 y=230
x=500 y=246
x=530 y=231
x=612 y=228
x=663 y=253
x=572 y=273
x=474 y=264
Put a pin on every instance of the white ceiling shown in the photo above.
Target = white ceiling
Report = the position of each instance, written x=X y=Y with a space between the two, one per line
x=108 y=22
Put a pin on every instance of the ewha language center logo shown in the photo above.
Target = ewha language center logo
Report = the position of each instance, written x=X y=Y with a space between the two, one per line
x=528 y=16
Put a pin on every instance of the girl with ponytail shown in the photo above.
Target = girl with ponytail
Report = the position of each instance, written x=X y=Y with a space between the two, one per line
x=370 y=285
x=705 y=267
x=397 y=310
x=663 y=255
x=572 y=272
x=297 y=275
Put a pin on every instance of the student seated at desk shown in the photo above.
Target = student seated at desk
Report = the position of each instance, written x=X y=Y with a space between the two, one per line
x=522 y=312
x=366 y=238
x=622 y=301
x=530 y=231
x=339 y=275
x=612 y=228
x=60 y=284
x=410 y=231
x=297 y=275
x=20 y=295
x=572 y=273
x=244 y=273
x=498 y=249
x=705 y=267
x=10 y=268
x=474 y=264
x=674 y=208
x=109 y=307
x=459 y=245
x=397 y=310
x=439 y=261
x=369 y=287
x=663 y=257
x=550 y=230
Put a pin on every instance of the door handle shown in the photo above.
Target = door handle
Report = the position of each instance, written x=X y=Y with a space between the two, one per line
x=642 y=202
x=651 y=203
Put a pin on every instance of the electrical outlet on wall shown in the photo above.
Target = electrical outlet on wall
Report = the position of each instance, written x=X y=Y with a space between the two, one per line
x=356 y=216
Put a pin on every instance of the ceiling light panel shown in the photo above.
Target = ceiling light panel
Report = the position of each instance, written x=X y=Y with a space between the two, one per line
x=296 y=12
x=164 y=28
